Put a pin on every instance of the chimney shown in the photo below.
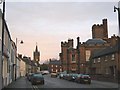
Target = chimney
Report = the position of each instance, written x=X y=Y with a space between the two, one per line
x=20 y=55
x=70 y=42
x=78 y=42
x=105 y=28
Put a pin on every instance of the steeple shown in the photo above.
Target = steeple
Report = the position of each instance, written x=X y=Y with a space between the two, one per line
x=36 y=50
x=36 y=54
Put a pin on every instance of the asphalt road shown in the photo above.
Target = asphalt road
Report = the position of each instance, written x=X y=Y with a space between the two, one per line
x=60 y=83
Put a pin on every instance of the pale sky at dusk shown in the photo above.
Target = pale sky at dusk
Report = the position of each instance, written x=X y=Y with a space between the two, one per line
x=49 y=23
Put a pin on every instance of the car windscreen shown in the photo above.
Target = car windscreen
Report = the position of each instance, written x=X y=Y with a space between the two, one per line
x=37 y=75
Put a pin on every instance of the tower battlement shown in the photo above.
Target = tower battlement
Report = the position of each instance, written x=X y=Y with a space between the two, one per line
x=100 y=30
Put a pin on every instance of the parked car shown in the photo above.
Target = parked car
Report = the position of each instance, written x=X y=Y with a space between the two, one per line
x=29 y=75
x=61 y=75
x=66 y=76
x=71 y=76
x=83 y=79
x=74 y=76
x=37 y=78
x=44 y=72
x=53 y=74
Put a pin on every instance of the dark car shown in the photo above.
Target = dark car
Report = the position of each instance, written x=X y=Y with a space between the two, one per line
x=69 y=77
x=83 y=79
x=29 y=76
x=72 y=76
x=61 y=76
x=66 y=76
x=37 y=79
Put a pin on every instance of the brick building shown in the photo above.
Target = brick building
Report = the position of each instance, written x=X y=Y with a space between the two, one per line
x=54 y=66
x=77 y=59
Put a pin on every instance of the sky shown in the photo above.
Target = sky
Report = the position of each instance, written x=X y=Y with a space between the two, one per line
x=50 y=22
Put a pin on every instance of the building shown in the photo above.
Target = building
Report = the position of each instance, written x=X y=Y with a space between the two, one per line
x=106 y=62
x=76 y=60
x=55 y=66
x=22 y=66
x=36 y=59
x=7 y=57
x=0 y=49
x=36 y=55
x=13 y=61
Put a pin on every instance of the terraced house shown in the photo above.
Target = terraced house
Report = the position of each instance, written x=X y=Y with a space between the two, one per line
x=9 y=63
x=106 y=62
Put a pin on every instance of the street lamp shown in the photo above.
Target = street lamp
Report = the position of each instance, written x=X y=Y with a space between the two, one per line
x=21 y=42
x=118 y=9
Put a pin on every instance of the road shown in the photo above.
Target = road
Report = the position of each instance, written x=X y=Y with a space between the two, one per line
x=60 y=83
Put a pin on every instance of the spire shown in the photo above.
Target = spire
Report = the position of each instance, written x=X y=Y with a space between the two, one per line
x=36 y=50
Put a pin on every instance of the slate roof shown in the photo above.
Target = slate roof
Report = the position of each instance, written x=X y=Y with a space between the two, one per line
x=30 y=62
x=108 y=50
x=95 y=41
x=55 y=62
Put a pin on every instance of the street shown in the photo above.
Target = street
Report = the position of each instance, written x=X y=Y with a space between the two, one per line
x=60 y=83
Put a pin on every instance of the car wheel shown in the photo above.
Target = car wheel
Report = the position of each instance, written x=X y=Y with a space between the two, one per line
x=33 y=83
x=89 y=82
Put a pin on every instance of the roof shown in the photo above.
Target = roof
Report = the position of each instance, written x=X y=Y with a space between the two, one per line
x=95 y=41
x=0 y=13
x=55 y=62
x=30 y=62
x=108 y=50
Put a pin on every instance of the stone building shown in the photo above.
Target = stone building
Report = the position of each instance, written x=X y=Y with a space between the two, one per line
x=36 y=59
x=77 y=59
x=105 y=63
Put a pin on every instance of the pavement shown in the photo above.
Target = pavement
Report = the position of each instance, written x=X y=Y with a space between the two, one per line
x=21 y=83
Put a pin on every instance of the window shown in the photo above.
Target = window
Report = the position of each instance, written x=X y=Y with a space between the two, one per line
x=51 y=65
x=113 y=57
x=98 y=59
x=56 y=66
x=56 y=70
x=60 y=70
x=94 y=61
x=106 y=58
x=88 y=53
x=52 y=70
x=106 y=71
x=73 y=57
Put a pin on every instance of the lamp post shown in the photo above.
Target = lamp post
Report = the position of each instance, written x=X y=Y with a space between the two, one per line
x=21 y=42
x=118 y=9
x=118 y=42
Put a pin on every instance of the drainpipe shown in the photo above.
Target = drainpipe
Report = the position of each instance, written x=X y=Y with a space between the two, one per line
x=3 y=24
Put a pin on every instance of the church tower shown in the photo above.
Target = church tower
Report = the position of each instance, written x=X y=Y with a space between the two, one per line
x=36 y=54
